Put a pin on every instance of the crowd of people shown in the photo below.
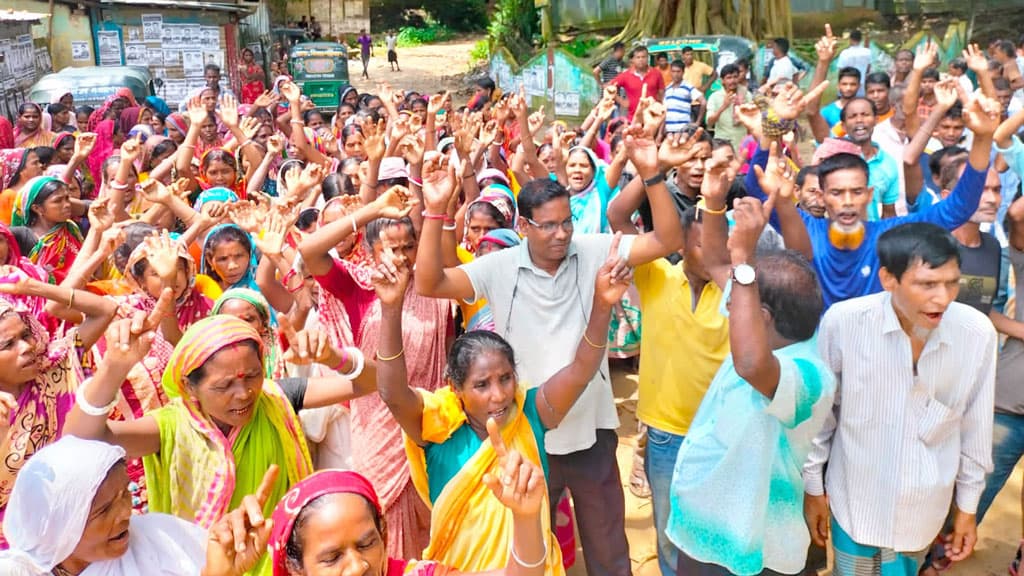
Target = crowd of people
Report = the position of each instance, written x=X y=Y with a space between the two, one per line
x=262 y=338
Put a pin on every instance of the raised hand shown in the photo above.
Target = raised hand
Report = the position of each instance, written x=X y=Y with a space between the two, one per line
x=436 y=102
x=373 y=138
x=270 y=239
x=129 y=339
x=516 y=482
x=239 y=539
x=614 y=276
x=244 y=215
x=100 y=216
x=411 y=147
x=791 y=101
x=926 y=55
x=976 y=59
x=290 y=91
x=778 y=178
x=715 y=186
x=391 y=277
x=304 y=346
x=535 y=121
x=749 y=115
x=675 y=151
x=275 y=145
x=748 y=213
x=249 y=127
x=197 y=113
x=489 y=133
x=131 y=149
x=395 y=203
x=112 y=237
x=946 y=93
x=154 y=191
x=84 y=144
x=265 y=100
x=312 y=175
x=163 y=255
x=642 y=152
x=438 y=182
x=653 y=117
x=228 y=111
x=826 y=46
x=982 y=115
x=14 y=281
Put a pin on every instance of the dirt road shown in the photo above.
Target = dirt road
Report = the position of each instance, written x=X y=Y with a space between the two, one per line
x=425 y=69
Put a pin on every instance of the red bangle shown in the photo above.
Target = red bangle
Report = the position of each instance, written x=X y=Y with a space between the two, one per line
x=449 y=221
x=416 y=182
x=434 y=216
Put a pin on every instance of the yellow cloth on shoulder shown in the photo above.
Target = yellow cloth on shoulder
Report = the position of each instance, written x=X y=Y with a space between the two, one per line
x=470 y=529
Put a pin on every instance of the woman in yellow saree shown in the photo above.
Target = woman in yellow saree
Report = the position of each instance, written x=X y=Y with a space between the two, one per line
x=226 y=422
x=446 y=436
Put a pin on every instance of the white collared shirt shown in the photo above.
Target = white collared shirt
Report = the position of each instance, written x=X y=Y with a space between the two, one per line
x=543 y=317
x=896 y=443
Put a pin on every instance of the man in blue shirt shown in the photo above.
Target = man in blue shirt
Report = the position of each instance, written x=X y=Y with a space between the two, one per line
x=848 y=87
x=844 y=241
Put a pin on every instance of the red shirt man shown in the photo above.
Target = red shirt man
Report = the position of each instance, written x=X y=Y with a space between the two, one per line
x=639 y=74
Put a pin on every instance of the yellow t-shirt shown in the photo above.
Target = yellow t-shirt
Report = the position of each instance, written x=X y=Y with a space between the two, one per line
x=682 y=351
x=695 y=73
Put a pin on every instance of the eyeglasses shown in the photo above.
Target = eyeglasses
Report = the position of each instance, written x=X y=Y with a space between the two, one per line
x=549 y=227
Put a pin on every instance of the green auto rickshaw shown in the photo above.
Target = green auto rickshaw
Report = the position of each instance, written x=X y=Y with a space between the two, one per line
x=91 y=85
x=717 y=51
x=320 y=69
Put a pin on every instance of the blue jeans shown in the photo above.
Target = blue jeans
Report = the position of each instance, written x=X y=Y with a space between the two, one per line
x=660 y=462
x=1007 y=449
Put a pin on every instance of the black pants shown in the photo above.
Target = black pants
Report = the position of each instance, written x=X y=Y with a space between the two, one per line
x=690 y=567
x=592 y=475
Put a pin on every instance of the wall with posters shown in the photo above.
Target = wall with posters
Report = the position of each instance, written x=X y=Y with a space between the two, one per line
x=336 y=17
x=570 y=90
x=174 y=44
x=71 y=28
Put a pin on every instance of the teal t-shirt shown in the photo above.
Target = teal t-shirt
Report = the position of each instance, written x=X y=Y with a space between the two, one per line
x=445 y=460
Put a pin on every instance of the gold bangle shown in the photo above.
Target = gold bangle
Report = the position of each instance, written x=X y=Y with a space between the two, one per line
x=71 y=298
x=389 y=358
x=585 y=337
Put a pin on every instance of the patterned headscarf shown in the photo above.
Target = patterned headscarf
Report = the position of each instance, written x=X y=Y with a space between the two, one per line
x=218 y=194
x=313 y=487
x=178 y=122
x=26 y=197
x=257 y=301
x=11 y=161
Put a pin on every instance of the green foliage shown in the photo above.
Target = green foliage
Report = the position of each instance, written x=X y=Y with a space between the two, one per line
x=515 y=25
x=481 y=51
x=460 y=15
x=426 y=34
x=581 y=46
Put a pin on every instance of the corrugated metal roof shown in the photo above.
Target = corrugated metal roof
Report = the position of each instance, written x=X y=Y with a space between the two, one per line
x=21 y=16
x=216 y=6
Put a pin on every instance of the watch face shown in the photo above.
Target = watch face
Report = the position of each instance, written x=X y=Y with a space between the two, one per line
x=744 y=274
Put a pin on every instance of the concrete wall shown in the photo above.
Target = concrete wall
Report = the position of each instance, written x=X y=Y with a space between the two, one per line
x=336 y=17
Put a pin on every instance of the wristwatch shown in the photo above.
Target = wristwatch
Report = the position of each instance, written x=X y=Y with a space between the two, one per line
x=744 y=274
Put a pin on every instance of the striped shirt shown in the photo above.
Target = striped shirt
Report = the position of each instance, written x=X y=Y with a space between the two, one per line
x=898 y=443
x=679 y=100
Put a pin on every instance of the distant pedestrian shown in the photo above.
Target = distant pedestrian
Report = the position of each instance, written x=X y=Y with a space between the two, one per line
x=365 y=50
x=391 y=40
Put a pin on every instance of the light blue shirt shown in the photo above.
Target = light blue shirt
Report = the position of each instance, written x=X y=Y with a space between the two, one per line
x=737 y=492
x=884 y=178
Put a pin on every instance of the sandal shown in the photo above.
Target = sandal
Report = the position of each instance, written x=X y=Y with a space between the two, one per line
x=1014 y=568
x=638 y=484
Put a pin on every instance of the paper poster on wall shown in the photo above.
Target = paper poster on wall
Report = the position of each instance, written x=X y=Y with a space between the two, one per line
x=192 y=36
x=192 y=62
x=135 y=54
x=257 y=50
x=567 y=103
x=174 y=90
x=195 y=85
x=172 y=57
x=110 y=47
x=154 y=57
x=80 y=51
x=214 y=57
x=534 y=81
x=210 y=36
x=152 y=27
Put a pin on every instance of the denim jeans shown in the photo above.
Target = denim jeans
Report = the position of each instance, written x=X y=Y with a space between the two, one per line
x=1007 y=449
x=662 y=449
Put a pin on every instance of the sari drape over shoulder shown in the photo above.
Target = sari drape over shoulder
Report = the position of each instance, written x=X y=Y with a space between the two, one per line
x=470 y=529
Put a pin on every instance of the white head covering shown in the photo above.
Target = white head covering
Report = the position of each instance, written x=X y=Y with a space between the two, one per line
x=50 y=503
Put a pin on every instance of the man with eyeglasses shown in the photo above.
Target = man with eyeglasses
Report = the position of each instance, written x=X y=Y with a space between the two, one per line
x=540 y=293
